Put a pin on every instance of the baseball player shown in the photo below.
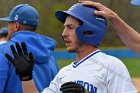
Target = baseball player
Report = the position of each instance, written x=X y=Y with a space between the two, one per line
x=128 y=35
x=3 y=35
x=23 y=22
x=92 y=70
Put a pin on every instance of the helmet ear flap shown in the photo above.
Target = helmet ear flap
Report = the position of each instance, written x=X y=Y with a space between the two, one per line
x=81 y=30
x=90 y=34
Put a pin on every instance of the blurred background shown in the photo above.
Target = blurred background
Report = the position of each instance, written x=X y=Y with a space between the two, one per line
x=51 y=27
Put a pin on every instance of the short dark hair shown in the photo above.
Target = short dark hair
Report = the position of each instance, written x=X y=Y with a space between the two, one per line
x=28 y=27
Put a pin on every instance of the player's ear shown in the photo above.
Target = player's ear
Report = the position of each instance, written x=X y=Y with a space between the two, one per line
x=17 y=26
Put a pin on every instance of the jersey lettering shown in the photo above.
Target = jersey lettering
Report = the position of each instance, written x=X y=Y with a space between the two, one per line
x=91 y=88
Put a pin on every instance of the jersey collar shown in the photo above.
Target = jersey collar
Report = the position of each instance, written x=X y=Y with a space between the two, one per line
x=75 y=64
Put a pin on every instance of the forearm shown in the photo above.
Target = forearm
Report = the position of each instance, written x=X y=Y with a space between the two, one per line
x=29 y=87
x=128 y=35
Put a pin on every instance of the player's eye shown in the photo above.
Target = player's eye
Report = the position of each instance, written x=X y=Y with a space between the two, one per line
x=70 y=27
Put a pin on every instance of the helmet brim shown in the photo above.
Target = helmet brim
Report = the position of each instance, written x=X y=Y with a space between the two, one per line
x=61 y=15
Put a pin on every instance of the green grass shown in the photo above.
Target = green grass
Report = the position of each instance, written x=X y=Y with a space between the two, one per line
x=133 y=65
x=63 y=63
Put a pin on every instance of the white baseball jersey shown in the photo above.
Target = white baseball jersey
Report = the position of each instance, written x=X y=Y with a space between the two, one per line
x=97 y=72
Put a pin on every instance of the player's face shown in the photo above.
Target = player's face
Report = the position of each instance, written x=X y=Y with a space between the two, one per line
x=12 y=28
x=69 y=35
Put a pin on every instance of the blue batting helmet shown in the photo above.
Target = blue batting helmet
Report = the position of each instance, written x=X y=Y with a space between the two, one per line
x=3 y=32
x=135 y=2
x=95 y=24
x=24 y=14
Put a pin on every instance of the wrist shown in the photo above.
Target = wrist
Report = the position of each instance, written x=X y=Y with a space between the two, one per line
x=86 y=91
x=113 y=16
x=25 y=78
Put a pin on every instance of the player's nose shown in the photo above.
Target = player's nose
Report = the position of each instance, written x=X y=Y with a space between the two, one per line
x=65 y=33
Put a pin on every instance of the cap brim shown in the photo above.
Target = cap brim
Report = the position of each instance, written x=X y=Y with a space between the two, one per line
x=134 y=2
x=61 y=15
x=7 y=19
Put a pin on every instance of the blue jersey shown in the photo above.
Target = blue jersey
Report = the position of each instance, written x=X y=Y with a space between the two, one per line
x=45 y=68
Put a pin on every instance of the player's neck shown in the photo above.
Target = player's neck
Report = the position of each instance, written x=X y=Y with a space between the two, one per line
x=84 y=51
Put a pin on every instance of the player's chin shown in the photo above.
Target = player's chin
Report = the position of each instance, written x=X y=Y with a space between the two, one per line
x=71 y=49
